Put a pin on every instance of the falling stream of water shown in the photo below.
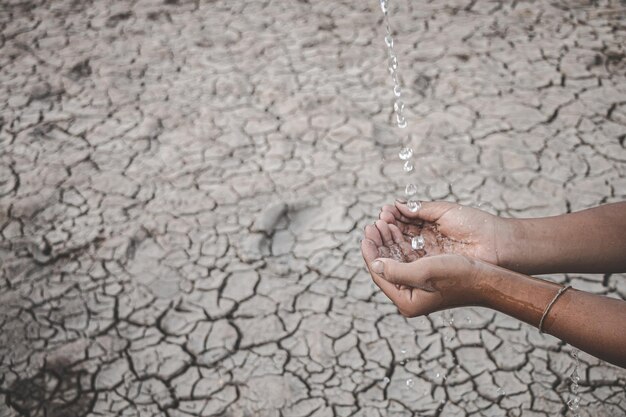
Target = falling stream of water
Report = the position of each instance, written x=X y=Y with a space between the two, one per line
x=574 y=402
x=417 y=242
x=406 y=152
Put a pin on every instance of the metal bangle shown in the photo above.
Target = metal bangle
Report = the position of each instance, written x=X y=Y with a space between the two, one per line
x=545 y=313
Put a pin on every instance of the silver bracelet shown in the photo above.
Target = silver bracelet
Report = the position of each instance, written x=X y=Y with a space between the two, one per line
x=545 y=313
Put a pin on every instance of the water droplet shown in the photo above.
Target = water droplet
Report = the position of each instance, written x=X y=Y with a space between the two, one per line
x=437 y=375
x=417 y=242
x=389 y=41
x=408 y=166
x=386 y=380
x=384 y=6
x=405 y=153
x=413 y=205
x=410 y=383
x=500 y=392
x=393 y=63
x=398 y=106
x=410 y=189
x=468 y=319
x=397 y=90
x=574 y=404
x=403 y=351
x=401 y=121
x=394 y=78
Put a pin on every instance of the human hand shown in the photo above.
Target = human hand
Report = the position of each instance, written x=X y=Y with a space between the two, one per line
x=432 y=283
x=419 y=286
x=450 y=228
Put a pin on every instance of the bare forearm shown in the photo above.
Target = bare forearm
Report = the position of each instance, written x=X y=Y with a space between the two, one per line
x=592 y=241
x=592 y=323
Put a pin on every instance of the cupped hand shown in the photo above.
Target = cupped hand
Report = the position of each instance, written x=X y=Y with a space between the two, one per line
x=419 y=285
x=450 y=228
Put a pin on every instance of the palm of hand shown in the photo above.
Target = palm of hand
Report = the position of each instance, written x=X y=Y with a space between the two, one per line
x=454 y=230
x=434 y=283
x=391 y=242
x=384 y=240
x=456 y=233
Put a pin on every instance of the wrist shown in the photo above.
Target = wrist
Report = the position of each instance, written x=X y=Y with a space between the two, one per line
x=492 y=283
x=484 y=277
x=517 y=295
x=512 y=244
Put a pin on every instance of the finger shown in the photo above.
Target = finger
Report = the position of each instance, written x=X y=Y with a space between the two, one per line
x=392 y=215
x=369 y=250
x=370 y=253
x=389 y=213
x=385 y=233
x=390 y=210
x=400 y=242
x=396 y=234
x=372 y=233
x=414 y=274
x=400 y=297
x=418 y=274
x=410 y=301
x=387 y=217
x=430 y=210
x=405 y=246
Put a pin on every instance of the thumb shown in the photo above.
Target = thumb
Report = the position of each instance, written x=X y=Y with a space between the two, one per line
x=412 y=274
x=430 y=211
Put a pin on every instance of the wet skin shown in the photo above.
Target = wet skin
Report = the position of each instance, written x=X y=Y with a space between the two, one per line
x=445 y=275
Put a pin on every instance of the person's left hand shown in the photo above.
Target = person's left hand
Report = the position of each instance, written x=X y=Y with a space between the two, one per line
x=419 y=286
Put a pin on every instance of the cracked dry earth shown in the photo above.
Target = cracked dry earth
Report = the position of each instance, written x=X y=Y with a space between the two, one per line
x=183 y=185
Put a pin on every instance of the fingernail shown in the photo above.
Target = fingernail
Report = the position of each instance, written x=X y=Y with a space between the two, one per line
x=400 y=200
x=378 y=267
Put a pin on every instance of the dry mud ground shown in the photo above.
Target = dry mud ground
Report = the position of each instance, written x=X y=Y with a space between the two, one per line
x=183 y=185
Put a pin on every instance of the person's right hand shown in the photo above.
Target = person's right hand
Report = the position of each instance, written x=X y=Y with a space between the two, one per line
x=450 y=228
